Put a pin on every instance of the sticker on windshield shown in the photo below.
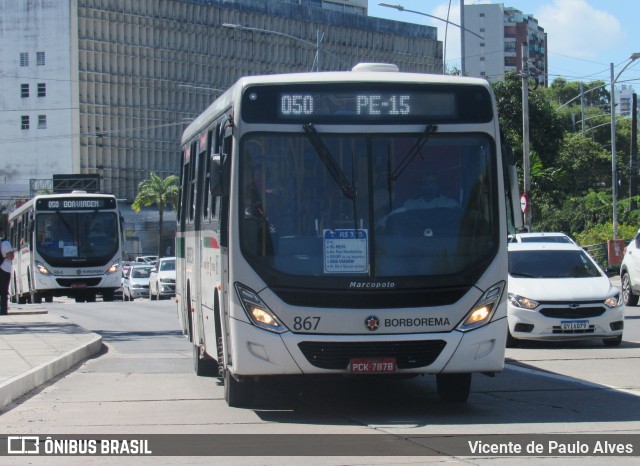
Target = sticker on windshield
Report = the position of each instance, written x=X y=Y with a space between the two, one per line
x=346 y=251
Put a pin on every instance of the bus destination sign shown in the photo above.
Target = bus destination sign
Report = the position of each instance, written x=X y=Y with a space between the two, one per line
x=406 y=103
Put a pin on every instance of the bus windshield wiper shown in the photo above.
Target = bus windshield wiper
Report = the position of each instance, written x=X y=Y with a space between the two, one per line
x=424 y=137
x=327 y=159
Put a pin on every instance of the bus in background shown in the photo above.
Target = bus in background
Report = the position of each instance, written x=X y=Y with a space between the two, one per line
x=346 y=223
x=66 y=245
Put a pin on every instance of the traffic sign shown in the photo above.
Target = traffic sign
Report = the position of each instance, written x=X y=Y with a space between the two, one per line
x=524 y=203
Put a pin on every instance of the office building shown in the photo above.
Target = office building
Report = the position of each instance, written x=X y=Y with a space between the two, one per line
x=107 y=86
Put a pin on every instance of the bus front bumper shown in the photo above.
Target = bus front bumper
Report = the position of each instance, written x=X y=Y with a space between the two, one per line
x=259 y=352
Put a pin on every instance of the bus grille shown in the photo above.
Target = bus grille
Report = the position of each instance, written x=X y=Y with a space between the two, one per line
x=78 y=282
x=408 y=354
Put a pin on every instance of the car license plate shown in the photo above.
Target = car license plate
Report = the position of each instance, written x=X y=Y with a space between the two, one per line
x=372 y=366
x=574 y=325
x=78 y=285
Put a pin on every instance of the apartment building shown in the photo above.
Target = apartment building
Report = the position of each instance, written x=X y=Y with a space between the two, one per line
x=504 y=31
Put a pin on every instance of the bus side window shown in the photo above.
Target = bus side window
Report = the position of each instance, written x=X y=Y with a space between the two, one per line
x=192 y=183
x=183 y=187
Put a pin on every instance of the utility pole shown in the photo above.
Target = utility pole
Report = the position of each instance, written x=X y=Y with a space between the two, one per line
x=584 y=131
x=633 y=159
x=526 y=162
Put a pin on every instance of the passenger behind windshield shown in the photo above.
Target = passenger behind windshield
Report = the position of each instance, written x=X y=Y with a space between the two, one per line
x=430 y=195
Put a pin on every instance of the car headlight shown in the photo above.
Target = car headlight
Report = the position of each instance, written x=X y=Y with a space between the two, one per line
x=522 y=302
x=481 y=313
x=613 y=301
x=257 y=311
x=42 y=269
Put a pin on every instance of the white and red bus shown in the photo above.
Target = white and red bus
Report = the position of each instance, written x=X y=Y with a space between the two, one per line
x=66 y=245
x=302 y=245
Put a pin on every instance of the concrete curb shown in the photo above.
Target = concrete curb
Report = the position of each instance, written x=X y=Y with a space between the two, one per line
x=27 y=381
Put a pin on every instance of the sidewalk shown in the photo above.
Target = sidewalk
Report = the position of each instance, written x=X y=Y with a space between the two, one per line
x=35 y=347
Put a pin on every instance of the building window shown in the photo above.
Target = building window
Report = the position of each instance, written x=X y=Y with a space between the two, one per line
x=42 y=90
x=40 y=58
x=481 y=58
x=481 y=29
x=482 y=15
x=42 y=121
x=25 y=121
x=24 y=90
x=24 y=59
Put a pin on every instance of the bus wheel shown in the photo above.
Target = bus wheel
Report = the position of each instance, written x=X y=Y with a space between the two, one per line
x=108 y=296
x=202 y=365
x=238 y=394
x=80 y=299
x=454 y=387
x=48 y=299
x=36 y=298
x=91 y=298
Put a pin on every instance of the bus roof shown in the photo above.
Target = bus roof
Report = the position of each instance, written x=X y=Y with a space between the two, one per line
x=225 y=101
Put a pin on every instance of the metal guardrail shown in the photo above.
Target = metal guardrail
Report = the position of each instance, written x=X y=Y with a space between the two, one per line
x=599 y=252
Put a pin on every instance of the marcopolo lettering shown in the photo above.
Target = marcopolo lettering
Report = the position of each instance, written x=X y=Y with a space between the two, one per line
x=417 y=322
x=372 y=285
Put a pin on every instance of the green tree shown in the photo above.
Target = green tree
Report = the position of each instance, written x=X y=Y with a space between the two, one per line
x=158 y=191
x=545 y=127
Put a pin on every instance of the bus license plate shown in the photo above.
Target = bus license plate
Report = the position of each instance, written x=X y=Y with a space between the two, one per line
x=78 y=285
x=372 y=366
x=574 y=325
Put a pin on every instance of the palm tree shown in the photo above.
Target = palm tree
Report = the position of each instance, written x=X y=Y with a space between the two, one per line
x=160 y=192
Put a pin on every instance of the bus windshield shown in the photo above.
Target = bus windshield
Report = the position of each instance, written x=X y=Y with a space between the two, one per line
x=65 y=238
x=431 y=211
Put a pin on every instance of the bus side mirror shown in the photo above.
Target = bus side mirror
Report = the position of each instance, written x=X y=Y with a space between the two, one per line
x=216 y=175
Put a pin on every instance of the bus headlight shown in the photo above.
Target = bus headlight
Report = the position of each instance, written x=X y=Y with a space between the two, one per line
x=114 y=268
x=481 y=313
x=42 y=269
x=257 y=311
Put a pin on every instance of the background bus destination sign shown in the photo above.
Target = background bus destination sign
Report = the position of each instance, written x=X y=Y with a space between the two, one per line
x=381 y=104
x=75 y=204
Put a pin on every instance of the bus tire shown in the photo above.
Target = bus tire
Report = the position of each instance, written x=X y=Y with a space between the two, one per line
x=454 y=388
x=36 y=298
x=238 y=394
x=48 y=299
x=202 y=365
x=108 y=296
x=80 y=299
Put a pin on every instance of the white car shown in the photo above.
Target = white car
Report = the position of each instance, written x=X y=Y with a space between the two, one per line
x=558 y=292
x=630 y=272
x=162 y=282
x=540 y=237
x=136 y=282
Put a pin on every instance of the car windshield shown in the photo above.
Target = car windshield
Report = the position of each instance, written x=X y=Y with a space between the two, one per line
x=545 y=239
x=404 y=213
x=167 y=265
x=551 y=264
x=141 y=272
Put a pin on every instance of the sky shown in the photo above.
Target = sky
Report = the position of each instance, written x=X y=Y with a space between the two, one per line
x=583 y=36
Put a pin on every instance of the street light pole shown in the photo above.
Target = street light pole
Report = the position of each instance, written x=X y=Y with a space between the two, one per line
x=462 y=29
x=317 y=44
x=460 y=26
